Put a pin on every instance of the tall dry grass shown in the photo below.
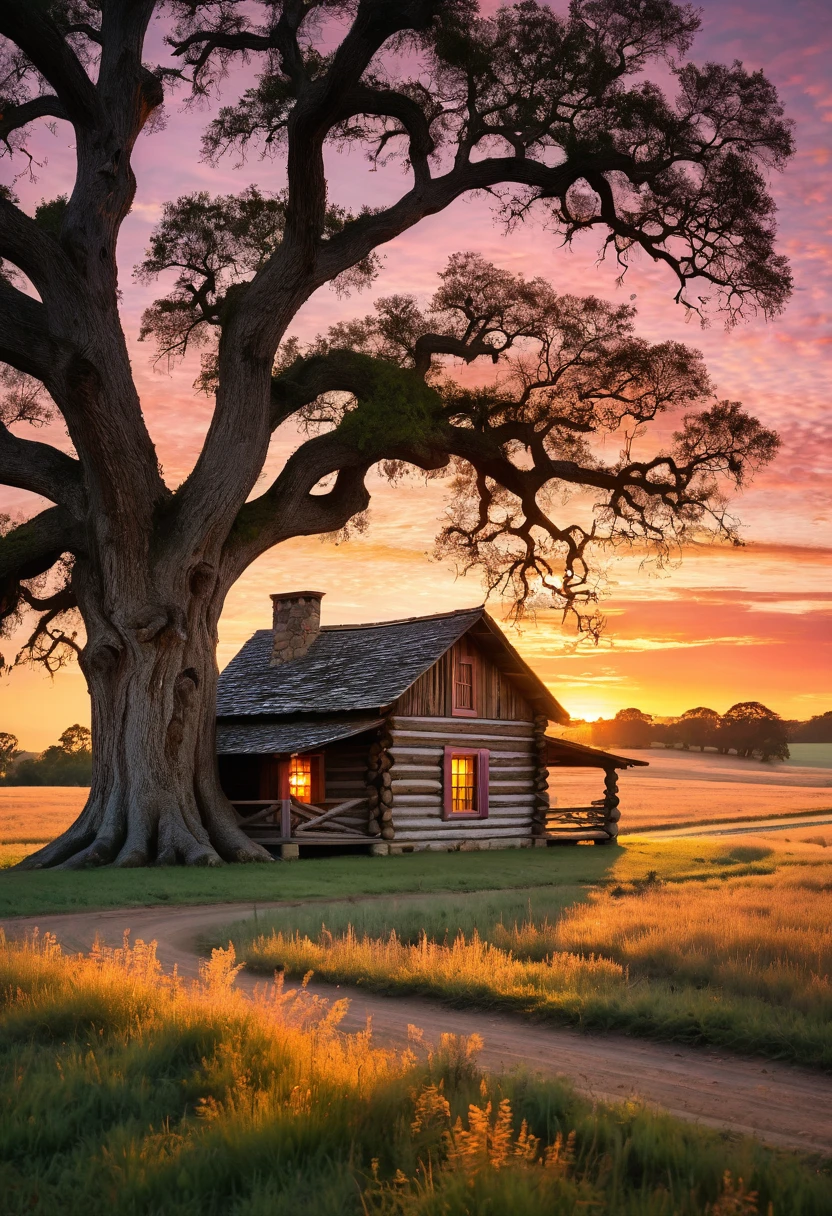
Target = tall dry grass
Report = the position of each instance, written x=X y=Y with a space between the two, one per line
x=133 y=1093
x=743 y=964
x=36 y=814
x=31 y=816
x=770 y=939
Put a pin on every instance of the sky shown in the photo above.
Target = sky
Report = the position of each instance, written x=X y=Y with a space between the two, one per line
x=724 y=624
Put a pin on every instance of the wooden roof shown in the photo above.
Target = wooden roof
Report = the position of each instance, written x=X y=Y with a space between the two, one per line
x=352 y=668
x=561 y=753
x=255 y=736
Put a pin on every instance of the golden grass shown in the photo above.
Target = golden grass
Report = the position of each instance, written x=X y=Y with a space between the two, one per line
x=768 y=937
x=742 y=962
x=129 y=982
x=34 y=815
x=127 y=1091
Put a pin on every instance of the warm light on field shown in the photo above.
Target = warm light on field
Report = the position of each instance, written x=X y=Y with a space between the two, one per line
x=739 y=961
x=167 y=1096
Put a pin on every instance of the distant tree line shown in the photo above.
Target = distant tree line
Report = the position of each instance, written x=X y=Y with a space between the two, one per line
x=816 y=730
x=747 y=728
x=67 y=762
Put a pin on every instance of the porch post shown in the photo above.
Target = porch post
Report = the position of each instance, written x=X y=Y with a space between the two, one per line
x=286 y=819
x=540 y=778
x=611 y=811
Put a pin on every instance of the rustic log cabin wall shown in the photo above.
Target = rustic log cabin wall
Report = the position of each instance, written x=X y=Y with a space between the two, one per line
x=418 y=750
x=450 y=748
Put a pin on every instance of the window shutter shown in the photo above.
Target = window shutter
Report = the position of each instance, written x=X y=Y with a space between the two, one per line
x=464 y=690
x=482 y=782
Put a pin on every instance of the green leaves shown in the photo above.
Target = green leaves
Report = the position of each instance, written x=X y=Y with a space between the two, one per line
x=395 y=408
x=216 y=245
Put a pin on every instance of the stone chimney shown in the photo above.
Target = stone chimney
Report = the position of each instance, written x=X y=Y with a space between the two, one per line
x=296 y=623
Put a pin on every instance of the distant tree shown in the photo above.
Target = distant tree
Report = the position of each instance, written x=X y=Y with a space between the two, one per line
x=698 y=727
x=75 y=739
x=8 y=751
x=629 y=728
x=67 y=762
x=751 y=728
x=817 y=730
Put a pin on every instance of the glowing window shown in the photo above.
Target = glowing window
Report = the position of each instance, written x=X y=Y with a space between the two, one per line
x=300 y=778
x=463 y=784
x=464 y=685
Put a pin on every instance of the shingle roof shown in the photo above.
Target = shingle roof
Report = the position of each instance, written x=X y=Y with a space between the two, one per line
x=348 y=667
x=255 y=738
x=353 y=668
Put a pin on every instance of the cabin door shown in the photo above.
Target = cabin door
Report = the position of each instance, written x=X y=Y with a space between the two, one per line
x=273 y=778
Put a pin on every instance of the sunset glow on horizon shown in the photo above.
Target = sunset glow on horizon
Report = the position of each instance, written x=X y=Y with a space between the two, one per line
x=721 y=626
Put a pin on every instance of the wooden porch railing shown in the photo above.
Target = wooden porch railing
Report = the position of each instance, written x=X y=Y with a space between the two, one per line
x=598 y=821
x=291 y=818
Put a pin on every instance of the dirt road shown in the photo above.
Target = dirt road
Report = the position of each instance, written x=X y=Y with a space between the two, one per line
x=781 y=1105
x=741 y=827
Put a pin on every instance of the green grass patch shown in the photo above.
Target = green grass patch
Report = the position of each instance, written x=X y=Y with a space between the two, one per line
x=128 y=1094
x=440 y=916
x=32 y=893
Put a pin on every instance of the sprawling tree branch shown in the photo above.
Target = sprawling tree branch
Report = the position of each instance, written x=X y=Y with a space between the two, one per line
x=24 y=337
x=27 y=246
x=15 y=118
x=551 y=114
x=41 y=469
x=32 y=547
x=31 y=28
x=511 y=451
x=29 y=551
x=572 y=369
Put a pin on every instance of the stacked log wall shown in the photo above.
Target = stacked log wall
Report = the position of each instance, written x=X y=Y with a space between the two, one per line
x=380 y=786
x=417 y=750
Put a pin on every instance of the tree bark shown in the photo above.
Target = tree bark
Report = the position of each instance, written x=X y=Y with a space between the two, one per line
x=155 y=795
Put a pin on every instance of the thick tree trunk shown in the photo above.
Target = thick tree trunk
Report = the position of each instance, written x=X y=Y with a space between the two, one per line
x=155 y=795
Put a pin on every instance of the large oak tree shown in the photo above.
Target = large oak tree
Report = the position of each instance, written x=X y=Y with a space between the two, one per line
x=556 y=116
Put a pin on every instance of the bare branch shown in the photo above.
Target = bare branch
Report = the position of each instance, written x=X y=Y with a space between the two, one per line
x=41 y=469
x=13 y=118
x=52 y=643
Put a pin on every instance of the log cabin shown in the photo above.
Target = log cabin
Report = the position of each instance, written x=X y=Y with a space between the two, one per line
x=399 y=736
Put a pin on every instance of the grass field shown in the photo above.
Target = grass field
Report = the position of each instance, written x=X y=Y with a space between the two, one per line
x=677 y=788
x=681 y=787
x=737 y=955
x=30 y=893
x=31 y=816
x=128 y=1093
